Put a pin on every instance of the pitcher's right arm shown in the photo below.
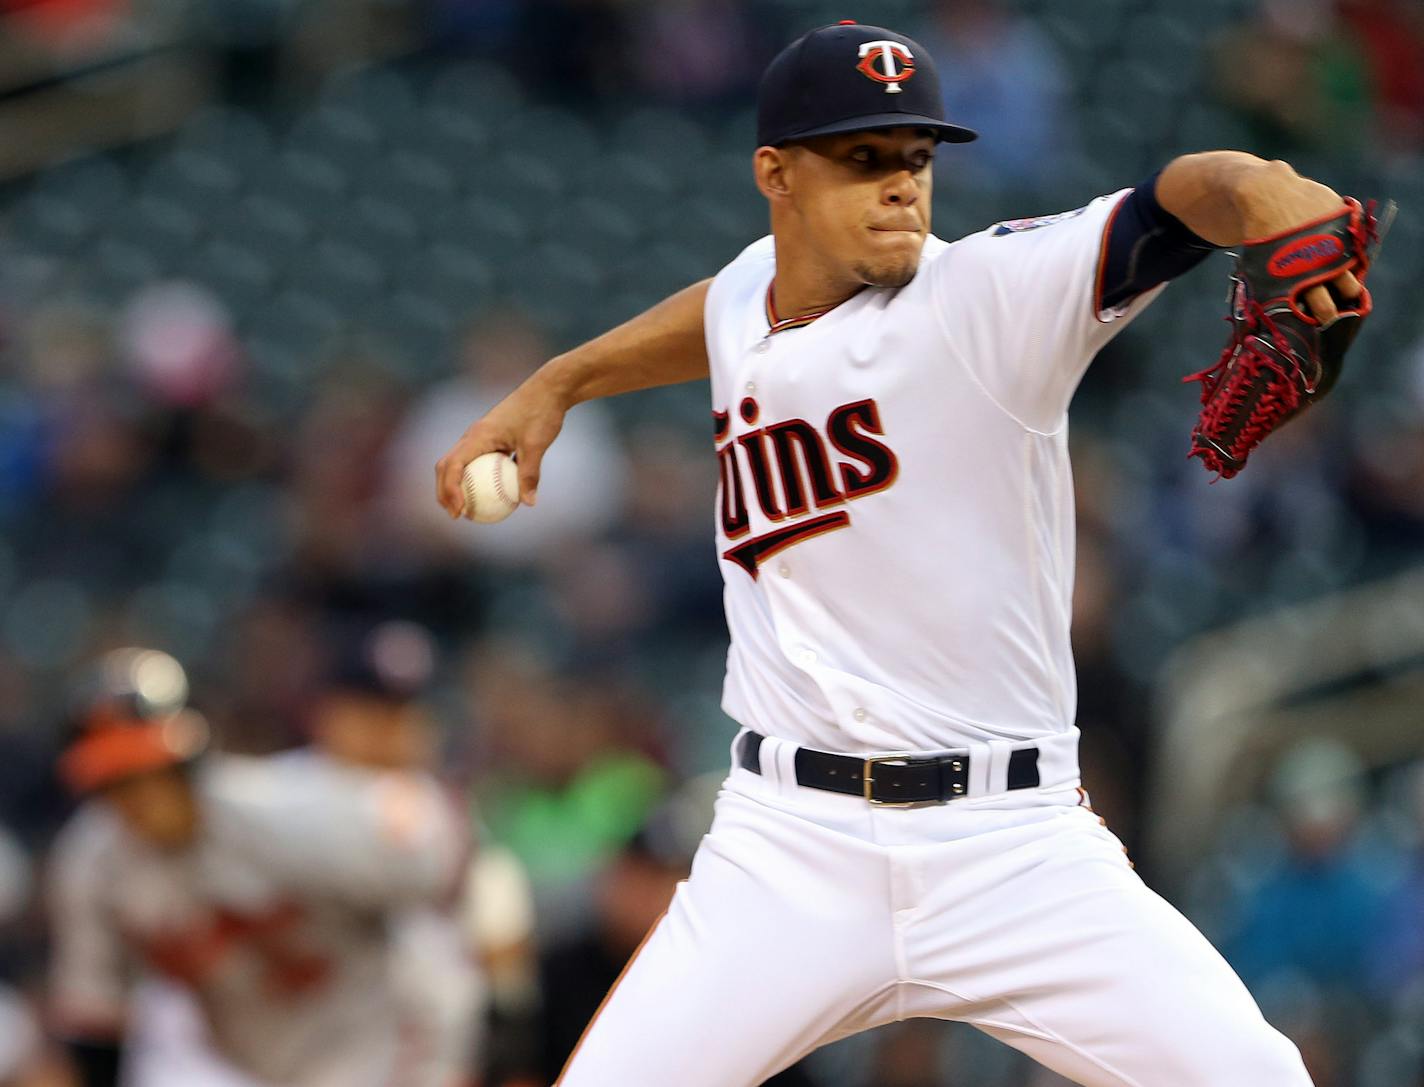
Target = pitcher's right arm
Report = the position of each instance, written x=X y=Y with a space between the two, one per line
x=661 y=346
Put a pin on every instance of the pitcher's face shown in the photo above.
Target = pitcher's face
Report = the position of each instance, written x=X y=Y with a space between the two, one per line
x=860 y=201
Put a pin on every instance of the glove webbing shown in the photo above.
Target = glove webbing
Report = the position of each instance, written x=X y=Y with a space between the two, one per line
x=1261 y=391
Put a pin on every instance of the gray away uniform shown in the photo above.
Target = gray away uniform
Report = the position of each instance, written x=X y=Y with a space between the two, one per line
x=276 y=918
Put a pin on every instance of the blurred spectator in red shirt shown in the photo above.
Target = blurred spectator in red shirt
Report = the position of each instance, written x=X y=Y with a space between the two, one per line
x=70 y=25
x=1391 y=32
x=1296 y=78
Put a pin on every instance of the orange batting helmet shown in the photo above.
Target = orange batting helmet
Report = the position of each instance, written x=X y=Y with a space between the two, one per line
x=130 y=717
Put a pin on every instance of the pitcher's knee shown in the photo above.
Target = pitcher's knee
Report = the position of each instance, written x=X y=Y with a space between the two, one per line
x=1243 y=1054
x=1257 y=1057
x=1280 y=1062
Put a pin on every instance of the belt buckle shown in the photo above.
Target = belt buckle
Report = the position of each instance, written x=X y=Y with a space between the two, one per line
x=868 y=779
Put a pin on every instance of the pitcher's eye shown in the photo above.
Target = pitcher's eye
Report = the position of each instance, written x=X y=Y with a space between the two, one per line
x=864 y=155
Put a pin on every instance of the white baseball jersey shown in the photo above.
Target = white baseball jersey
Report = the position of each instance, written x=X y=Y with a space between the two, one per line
x=896 y=535
x=895 y=508
x=276 y=918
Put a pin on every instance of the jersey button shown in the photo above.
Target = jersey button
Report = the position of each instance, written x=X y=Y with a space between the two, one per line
x=806 y=656
x=763 y=346
x=784 y=570
x=860 y=714
x=751 y=388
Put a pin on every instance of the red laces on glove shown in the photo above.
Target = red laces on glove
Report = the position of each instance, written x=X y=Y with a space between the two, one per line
x=1252 y=403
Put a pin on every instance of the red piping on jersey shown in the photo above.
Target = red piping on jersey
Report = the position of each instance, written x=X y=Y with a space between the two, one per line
x=1103 y=261
x=609 y=996
x=781 y=324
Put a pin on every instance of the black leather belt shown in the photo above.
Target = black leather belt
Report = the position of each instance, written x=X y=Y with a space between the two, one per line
x=890 y=779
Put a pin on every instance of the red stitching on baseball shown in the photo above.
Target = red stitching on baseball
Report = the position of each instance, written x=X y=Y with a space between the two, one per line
x=499 y=482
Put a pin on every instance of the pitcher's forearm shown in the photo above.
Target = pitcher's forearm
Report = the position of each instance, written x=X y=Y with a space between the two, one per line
x=1202 y=191
x=664 y=345
x=1230 y=197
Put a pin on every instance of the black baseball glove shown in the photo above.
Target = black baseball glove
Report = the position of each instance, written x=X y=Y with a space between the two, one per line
x=1280 y=359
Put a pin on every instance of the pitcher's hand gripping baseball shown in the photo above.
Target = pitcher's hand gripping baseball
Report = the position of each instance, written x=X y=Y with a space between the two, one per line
x=523 y=424
x=1281 y=358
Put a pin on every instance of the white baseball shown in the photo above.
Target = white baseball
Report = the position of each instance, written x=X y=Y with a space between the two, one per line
x=491 y=486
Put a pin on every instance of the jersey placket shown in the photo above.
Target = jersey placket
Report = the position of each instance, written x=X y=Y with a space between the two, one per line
x=762 y=353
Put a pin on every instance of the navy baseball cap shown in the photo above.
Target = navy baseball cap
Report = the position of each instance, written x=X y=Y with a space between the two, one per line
x=850 y=78
x=392 y=660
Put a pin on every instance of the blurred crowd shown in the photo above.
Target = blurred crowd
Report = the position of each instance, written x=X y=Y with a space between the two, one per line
x=206 y=453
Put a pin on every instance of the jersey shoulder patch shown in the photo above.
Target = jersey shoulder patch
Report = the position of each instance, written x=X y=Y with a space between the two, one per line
x=1018 y=226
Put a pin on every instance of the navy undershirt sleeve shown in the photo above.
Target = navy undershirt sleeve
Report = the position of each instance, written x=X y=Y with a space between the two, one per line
x=1146 y=245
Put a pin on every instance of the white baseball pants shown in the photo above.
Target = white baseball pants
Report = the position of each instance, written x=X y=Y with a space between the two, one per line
x=810 y=916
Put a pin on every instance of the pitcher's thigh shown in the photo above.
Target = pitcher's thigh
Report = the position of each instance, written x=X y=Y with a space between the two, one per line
x=1155 y=1007
x=1100 y=979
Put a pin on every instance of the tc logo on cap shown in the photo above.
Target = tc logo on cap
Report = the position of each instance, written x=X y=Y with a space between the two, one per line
x=886 y=62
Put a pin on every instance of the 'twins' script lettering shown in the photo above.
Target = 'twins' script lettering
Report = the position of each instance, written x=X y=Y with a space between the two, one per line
x=791 y=468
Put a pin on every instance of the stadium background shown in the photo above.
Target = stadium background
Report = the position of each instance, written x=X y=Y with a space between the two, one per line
x=262 y=260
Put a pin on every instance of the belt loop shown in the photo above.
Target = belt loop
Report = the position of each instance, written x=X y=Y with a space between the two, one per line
x=737 y=742
x=980 y=757
x=999 y=753
x=770 y=771
x=782 y=757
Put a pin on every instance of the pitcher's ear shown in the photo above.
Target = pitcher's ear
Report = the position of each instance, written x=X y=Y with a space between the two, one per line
x=772 y=168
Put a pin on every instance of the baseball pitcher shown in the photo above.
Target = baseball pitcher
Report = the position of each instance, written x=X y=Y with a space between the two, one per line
x=903 y=832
